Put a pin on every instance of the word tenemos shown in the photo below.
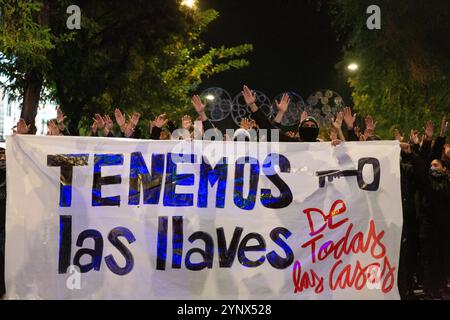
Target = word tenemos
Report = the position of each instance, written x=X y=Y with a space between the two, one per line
x=150 y=181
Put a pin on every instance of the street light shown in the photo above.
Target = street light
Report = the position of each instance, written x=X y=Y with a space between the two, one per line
x=191 y=4
x=352 y=66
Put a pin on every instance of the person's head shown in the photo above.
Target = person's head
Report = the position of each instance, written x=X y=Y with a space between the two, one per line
x=2 y=154
x=308 y=130
x=164 y=135
x=437 y=165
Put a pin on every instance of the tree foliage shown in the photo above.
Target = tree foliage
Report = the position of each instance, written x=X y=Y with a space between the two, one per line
x=404 y=72
x=145 y=56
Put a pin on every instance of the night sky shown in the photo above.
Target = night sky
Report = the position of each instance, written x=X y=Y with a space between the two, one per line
x=295 y=47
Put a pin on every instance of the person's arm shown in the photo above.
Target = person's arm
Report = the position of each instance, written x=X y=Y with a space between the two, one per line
x=207 y=124
x=282 y=107
x=257 y=114
x=129 y=130
x=349 y=119
x=22 y=127
x=260 y=117
x=121 y=121
x=200 y=108
x=107 y=128
x=93 y=129
x=60 y=121
x=439 y=143
x=370 y=126
x=425 y=148
x=53 y=129
x=100 y=124
x=414 y=141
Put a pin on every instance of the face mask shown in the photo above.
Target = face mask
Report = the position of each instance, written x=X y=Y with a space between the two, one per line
x=435 y=171
x=308 y=134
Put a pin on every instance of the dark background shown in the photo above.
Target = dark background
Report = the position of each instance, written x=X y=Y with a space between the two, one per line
x=295 y=47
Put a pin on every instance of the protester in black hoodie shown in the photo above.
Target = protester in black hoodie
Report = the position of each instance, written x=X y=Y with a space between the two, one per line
x=409 y=240
x=440 y=220
x=432 y=205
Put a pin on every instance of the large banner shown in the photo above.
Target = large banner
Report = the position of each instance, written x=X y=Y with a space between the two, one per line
x=106 y=218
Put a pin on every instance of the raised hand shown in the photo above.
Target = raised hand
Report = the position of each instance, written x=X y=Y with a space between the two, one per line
x=292 y=134
x=337 y=123
x=98 y=118
x=53 y=129
x=283 y=104
x=199 y=106
x=60 y=117
x=414 y=137
x=249 y=97
x=444 y=127
x=186 y=122
x=160 y=121
x=370 y=125
x=429 y=130
x=357 y=131
x=135 y=119
x=367 y=133
x=398 y=136
x=108 y=125
x=120 y=118
x=108 y=122
x=22 y=127
x=282 y=107
x=129 y=130
x=303 y=116
x=245 y=124
x=349 y=118
x=94 y=128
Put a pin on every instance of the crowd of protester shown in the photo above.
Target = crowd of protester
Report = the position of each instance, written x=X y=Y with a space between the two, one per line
x=425 y=176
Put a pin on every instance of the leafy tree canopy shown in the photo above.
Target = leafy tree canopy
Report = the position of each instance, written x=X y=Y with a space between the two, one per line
x=404 y=72
x=138 y=55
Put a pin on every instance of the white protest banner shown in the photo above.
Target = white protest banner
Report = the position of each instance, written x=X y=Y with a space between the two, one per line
x=106 y=218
